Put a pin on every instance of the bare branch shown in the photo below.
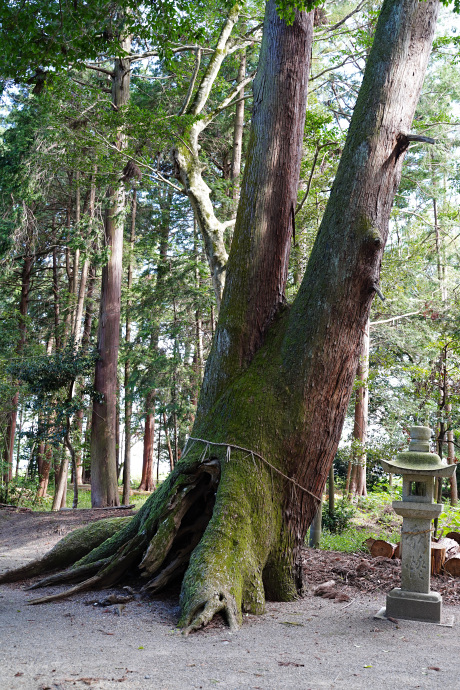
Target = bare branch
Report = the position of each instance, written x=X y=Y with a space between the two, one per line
x=347 y=60
x=227 y=102
x=394 y=318
x=315 y=159
x=342 y=21
x=103 y=70
x=192 y=82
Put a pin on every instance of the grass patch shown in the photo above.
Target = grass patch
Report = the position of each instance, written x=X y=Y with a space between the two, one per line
x=373 y=517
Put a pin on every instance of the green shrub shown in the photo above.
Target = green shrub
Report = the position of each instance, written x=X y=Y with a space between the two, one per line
x=338 y=521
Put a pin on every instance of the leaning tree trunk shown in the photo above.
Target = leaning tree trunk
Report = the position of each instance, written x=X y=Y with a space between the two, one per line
x=278 y=379
x=104 y=484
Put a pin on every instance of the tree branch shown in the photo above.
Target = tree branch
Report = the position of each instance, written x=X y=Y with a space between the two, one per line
x=394 y=318
x=192 y=82
x=220 y=53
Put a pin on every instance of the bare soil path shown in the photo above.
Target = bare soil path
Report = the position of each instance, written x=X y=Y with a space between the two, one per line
x=311 y=643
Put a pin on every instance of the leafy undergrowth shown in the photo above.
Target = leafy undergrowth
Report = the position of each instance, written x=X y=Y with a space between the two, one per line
x=372 y=516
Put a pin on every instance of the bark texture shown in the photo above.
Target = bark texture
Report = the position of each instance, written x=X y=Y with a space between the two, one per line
x=104 y=484
x=235 y=510
x=12 y=415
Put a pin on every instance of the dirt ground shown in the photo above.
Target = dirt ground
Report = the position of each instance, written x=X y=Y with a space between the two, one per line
x=315 y=642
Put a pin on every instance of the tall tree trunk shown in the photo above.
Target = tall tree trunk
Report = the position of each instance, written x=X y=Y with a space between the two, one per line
x=168 y=443
x=279 y=379
x=104 y=485
x=45 y=470
x=128 y=400
x=162 y=270
x=18 y=444
x=238 y=128
x=451 y=459
x=147 y=483
x=12 y=414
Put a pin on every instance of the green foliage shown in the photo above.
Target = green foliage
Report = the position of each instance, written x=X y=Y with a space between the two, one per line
x=20 y=491
x=41 y=38
x=348 y=541
x=449 y=520
x=52 y=373
x=287 y=8
x=340 y=519
x=373 y=518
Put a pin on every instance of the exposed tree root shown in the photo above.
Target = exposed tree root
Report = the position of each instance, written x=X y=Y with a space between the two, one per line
x=70 y=575
x=199 y=523
x=71 y=548
x=157 y=541
x=205 y=610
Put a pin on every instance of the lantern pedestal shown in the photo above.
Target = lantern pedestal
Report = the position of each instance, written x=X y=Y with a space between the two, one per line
x=414 y=606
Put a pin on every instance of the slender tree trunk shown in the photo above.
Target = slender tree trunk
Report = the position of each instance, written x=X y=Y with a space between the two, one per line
x=159 y=454
x=147 y=483
x=451 y=459
x=331 y=505
x=162 y=270
x=238 y=128
x=56 y=301
x=168 y=443
x=358 y=476
x=104 y=485
x=45 y=471
x=18 y=445
x=12 y=415
x=60 y=492
x=128 y=400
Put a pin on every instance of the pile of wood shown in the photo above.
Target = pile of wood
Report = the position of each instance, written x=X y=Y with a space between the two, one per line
x=445 y=553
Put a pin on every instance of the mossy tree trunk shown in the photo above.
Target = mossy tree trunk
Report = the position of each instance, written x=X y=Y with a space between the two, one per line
x=234 y=512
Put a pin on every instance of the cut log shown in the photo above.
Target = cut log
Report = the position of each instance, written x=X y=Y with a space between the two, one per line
x=368 y=543
x=441 y=551
x=382 y=548
x=397 y=552
x=452 y=547
x=454 y=535
x=452 y=566
x=438 y=557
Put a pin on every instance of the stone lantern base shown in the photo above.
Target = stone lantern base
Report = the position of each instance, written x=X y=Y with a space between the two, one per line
x=415 y=606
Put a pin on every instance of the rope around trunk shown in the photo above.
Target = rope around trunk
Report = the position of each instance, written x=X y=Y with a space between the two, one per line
x=253 y=453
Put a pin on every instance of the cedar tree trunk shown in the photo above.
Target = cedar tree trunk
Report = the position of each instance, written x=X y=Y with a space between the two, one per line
x=13 y=413
x=278 y=380
x=104 y=484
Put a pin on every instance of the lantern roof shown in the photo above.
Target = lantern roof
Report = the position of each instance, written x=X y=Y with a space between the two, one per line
x=418 y=460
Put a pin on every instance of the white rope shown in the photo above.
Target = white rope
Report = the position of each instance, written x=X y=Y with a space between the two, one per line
x=253 y=453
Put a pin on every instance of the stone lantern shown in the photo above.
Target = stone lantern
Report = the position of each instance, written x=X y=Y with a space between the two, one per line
x=419 y=469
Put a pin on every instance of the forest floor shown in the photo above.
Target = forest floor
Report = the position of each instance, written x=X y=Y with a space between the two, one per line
x=315 y=642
